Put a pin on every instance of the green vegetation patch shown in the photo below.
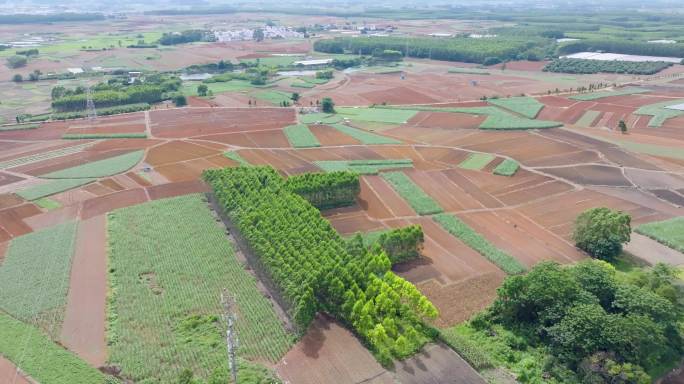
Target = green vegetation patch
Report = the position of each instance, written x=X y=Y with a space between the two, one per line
x=600 y=95
x=313 y=80
x=420 y=201
x=189 y=88
x=101 y=168
x=96 y=136
x=524 y=105
x=52 y=187
x=34 y=277
x=588 y=118
x=659 y=112
x=18 y=127
x=47 y=203
x=40 y=358
x=477 y=161
x=474 y=240
x=364 y=137
x=235 y=156
x=587 y=66
x=469 y=71
x=166 y=288
x=273 y=97
x=469 y=349
x=365 y=167
x=300 y=136
x=302 y=85
x=507 y=167
x=323 y=118
x=668 y=232
x=380 y=115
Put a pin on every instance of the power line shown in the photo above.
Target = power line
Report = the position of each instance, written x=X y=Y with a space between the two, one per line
x=90 y=105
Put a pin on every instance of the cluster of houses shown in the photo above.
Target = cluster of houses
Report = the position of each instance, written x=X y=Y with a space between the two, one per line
x=270 y=32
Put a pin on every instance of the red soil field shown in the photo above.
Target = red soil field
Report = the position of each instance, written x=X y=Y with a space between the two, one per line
x=11 y=219
x=329 y=136
x=523 y=65
x=446 y=120
x=51 y=218
x=556 y=101
x=130 y=144
x=329 y=353
x=6 y=178
x=9 y=200
x=394 y=203
x=397 y=95
x=436 y=363
x=63 y=162
x=176 y=189
x=474 y=197
x=103 y=204
x=352 y=220
x=591 y=175
x=371 y=202
x=34 y=148
x=447 y=194
x=83 y=330
x=9 y=374
x=176 y=151
x=3 y=250
x=197 y=102
x=47 y=131
x=186 y=122
x=126 y=123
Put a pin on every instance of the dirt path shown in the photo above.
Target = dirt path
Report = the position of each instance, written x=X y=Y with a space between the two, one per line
x=9 y=375
x=84 y=321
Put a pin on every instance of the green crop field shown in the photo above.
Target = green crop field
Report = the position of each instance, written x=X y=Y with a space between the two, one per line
x=18 y=127
x=507 y=167
x=412 y=193
x=36 y=355
x=300 y=136
x=34 y=278
x=380 y=115
x=474 y=240
x=47 y=203
x=95 y=136
x=600 y=95
x=233 y=155
x=668 y=232
x=587 y=118
x=273 y=97
x=166 y=285
x=659 y=112
x=364 y=137
x=526 y=106
x=324 y=118
x=365 y=167
x=101 y=168
x=51 y=187
x=477 y=161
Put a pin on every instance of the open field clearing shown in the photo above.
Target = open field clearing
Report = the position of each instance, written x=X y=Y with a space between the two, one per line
x=669 y=232
x=412 y=193
x=35 y=276
x=300 y=136
x=177 y=278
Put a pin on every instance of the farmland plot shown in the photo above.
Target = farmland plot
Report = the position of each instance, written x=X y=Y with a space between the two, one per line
x=411 y=192
x=167 y=285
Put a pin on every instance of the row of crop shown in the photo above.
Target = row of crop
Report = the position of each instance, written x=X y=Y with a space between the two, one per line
x=326 y=190
x=474 y=240
x=307 y=260
x=583 y=66
x=412 y=193
x=300 y=136
x=109 y=98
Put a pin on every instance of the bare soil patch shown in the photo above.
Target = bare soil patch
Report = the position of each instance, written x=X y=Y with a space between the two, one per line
x=9 y=374
x=591 y=175
x=436 y=364
x=103 y=204
x=176 y=189
x=6 y=179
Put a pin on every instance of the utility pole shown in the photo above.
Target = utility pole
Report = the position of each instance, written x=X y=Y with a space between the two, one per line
x=231 y=334
x=90 y=105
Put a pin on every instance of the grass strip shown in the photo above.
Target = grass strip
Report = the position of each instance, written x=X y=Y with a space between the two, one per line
x=507 y=167
x=466 y=348
x=322 y=118
x=18 y=127
x=587 y=118
x=40 y=358
x=300 y=136
x=302 y=85
x=364 y=137
x=474 y=240
x=364 y=167
x=165 y=306
x=52 y=187
x=34 y=277
x=94 y=136
x=476 y=161
x=233 y=155
x=420 y=201
x=600 y=95
x=667 y=232
x=469 y=71
x=101 y=168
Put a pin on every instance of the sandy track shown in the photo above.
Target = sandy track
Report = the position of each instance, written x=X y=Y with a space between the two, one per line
x=83 y=330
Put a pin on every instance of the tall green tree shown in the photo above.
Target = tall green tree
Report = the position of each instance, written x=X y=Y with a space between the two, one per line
x=601 y=232
x=327 y=105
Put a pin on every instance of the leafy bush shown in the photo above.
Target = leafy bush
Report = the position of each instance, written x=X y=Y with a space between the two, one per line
x=412 y=193
x=137 y=94
x=583 y=66
x=467 y=349
x=400 y=244
x=601 y=232
x=474 y=240
x=326 y=190
x=16 y=61
x=188 y=36
x=307 y=260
